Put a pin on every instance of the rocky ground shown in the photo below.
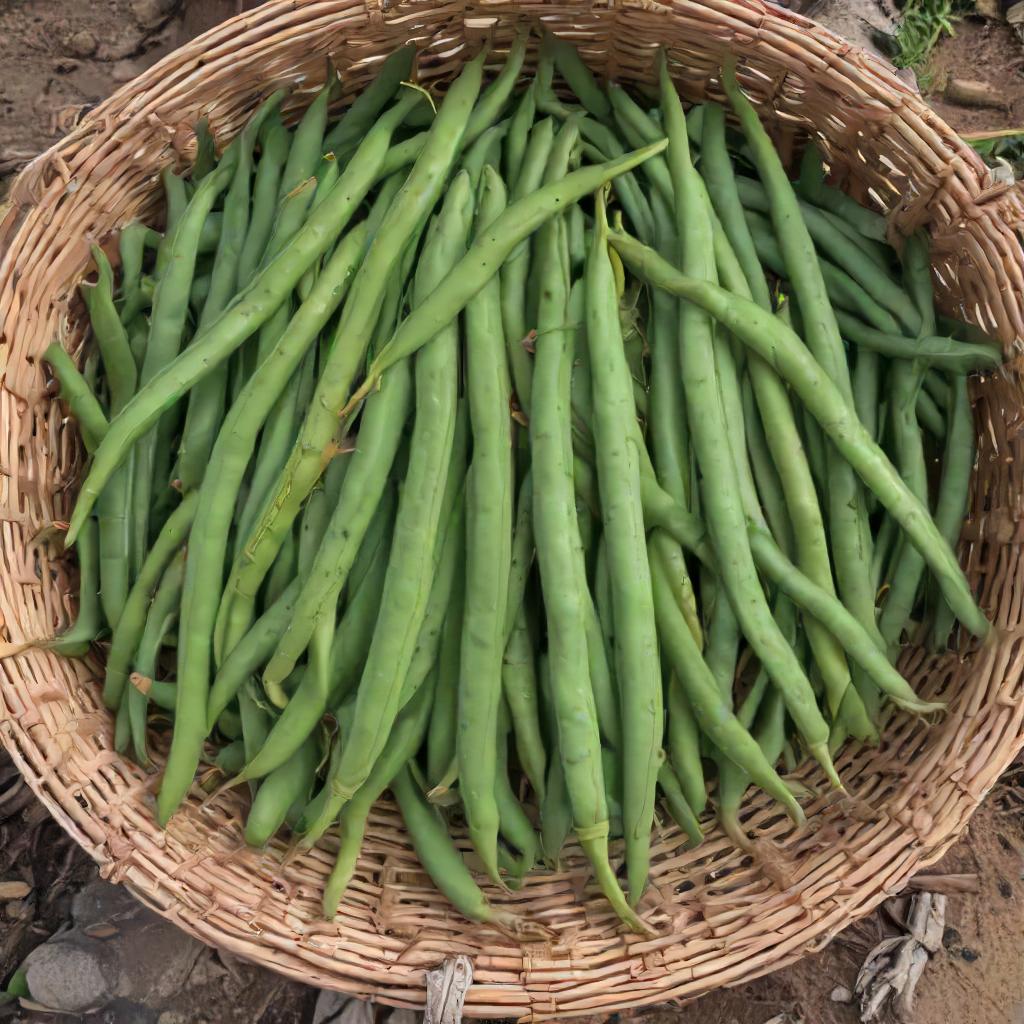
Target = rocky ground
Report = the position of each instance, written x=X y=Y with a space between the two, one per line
x=85 y=944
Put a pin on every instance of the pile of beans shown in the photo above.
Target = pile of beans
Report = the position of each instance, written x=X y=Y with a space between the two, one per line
x=538 y=456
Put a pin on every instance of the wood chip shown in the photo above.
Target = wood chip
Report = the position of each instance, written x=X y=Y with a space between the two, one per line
x=14 y=890
x=947 y=884
x=968 y=93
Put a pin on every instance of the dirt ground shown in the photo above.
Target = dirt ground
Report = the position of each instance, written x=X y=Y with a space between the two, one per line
x=57 y=61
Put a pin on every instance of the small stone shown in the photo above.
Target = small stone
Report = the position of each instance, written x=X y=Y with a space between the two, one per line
x=64 y=976
x=81 y=43
x=172 y=1017
x=126 y=70
x=1005 y=889
x=18 y=910
x=153 y=13
x=841 y=994
x=969 y=955
x=65 y=65
x=14 y=890
x=950 y=938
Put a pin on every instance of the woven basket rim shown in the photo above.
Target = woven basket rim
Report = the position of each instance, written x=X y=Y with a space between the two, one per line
x=729 y=932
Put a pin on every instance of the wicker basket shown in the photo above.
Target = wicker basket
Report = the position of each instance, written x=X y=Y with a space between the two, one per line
x=723 y=918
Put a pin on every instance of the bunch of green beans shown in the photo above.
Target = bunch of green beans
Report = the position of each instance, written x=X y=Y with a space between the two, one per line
x=559 y=464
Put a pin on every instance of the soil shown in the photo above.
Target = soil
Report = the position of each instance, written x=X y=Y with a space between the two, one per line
x=980 y=51
x=59 y=61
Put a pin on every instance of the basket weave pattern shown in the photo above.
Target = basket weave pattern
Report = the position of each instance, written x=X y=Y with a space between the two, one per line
x=723 y=917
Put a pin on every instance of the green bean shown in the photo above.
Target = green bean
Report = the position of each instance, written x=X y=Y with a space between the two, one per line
x=725 y=514
x=231 y=757
x=156 y=691
x=440 y=738
x=721 y=632
x=847 y=512
x=383 y=421
x=249 y=653
x=905 y=380
x=443 y=863
x=76 y=393
x=132 y=244
x=359 y=118
x=941 y=353
x=327 y=174
x=276 y=439
x=743 y=274
x=206 y=150
x=812 y=186
x=516 y=828
x=769 y=734
x=278 y=791
x=523 y=551
x=447 y=558
x=519 y=130
x=669 y=432
x=176 y=200
x=636 y=648
x=951 y=500
x=486 y=111
x=125 y=638
x=714 y=718
x=878 y=252
x=599 y=623
x=843 y=291
x=856 y=640
x=515 y=269
x=866 y=385
x=406 y=215
x=123 y=726
x=678 y=806
x=283 y=570
x=486 y=150
x=489 y=512
x=560 y=559
x=301 y=165
x=111 y=337
x=403 y=742
x=275 y=142
x=579 y=77
x=208 y=543
x=773 y=340
x=355 y=630
x=252 y=308
x=209 y=235
x=76 y=641
x=929 y=415
x=161 y=616
x=886 y=538
x=968 y=333
x=411 y=562
x=519 y=686
x=206 y=401
x=255 y=722
x=769 y=485
x=166 y=333
x=518 y=221
x=838 y=247
x=683 y=743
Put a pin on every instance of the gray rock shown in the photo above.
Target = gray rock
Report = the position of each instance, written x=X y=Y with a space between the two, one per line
x=81 y=44
x=64 y=975
x=152 y=14
x=117 y=949
x=338 y=1008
